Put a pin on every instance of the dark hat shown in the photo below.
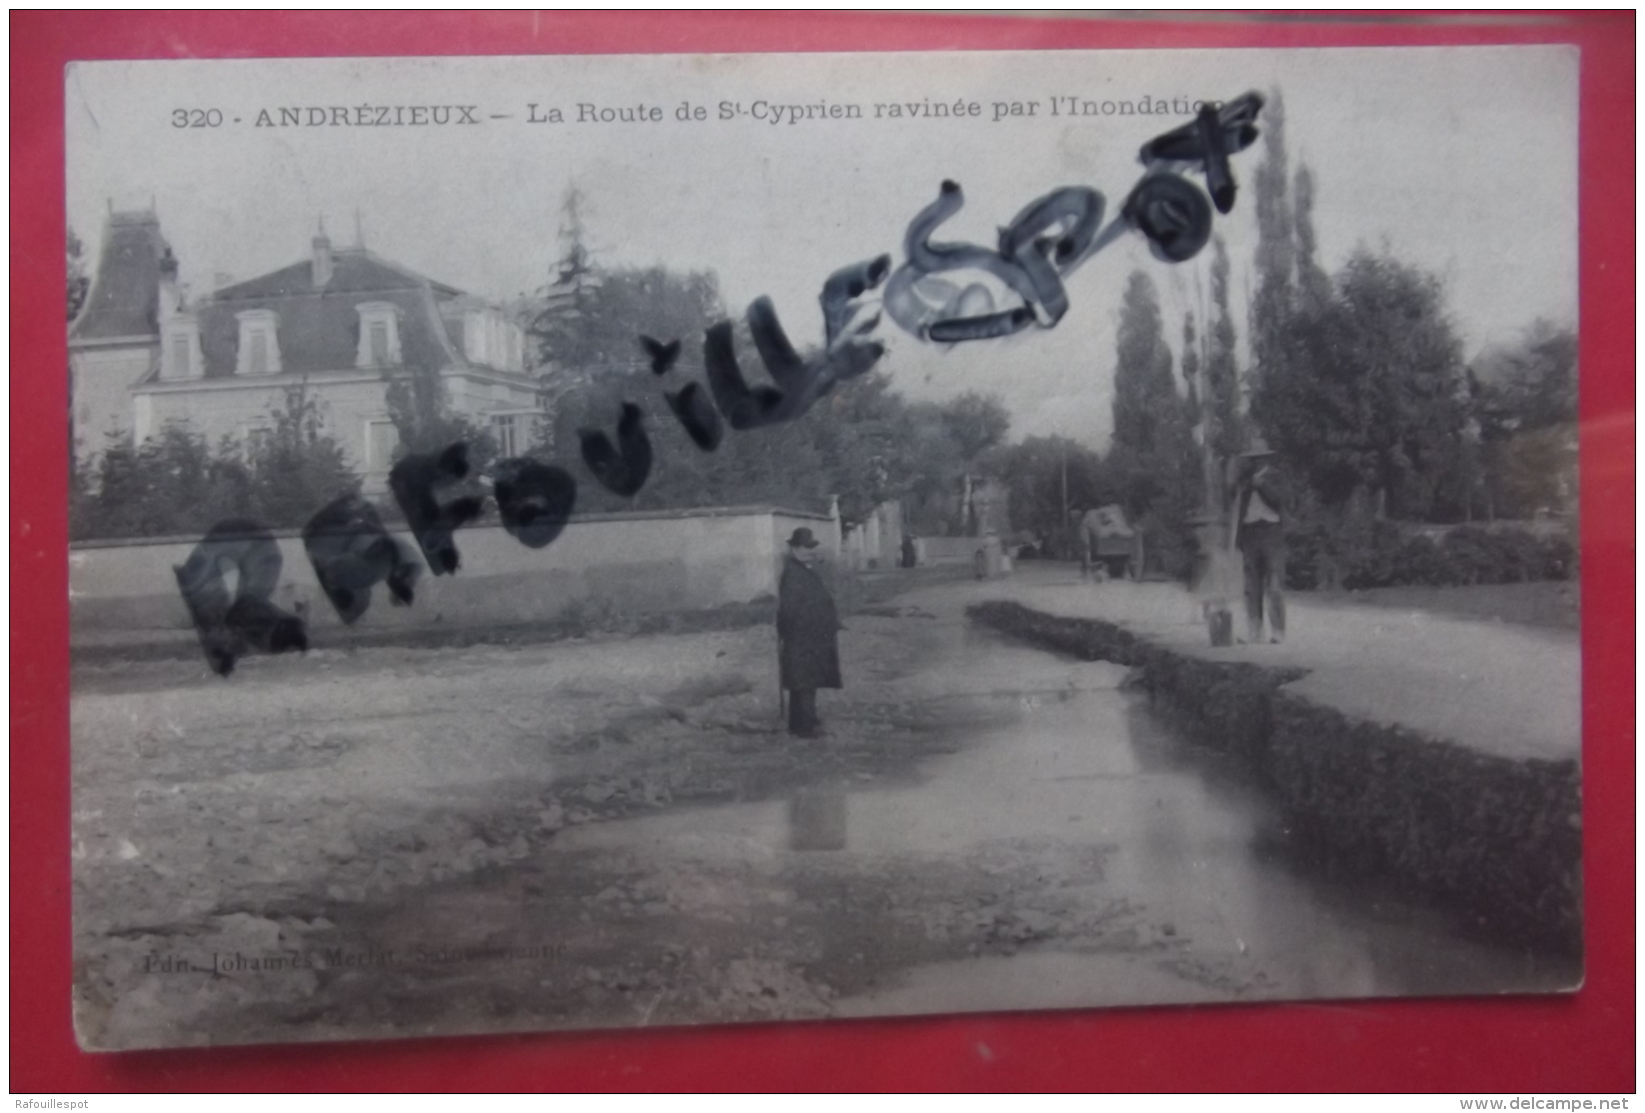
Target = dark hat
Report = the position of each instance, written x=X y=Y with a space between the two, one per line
x=802 y=539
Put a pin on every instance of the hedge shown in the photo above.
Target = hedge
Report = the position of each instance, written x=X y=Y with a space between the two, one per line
x=1389 y=555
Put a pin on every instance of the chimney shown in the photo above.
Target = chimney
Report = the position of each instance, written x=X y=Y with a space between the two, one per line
x=171 y=294
x=322 y=261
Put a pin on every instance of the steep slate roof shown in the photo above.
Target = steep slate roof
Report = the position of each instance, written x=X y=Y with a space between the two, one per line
x=353 y=270
x=125 y=293
x=319 y=328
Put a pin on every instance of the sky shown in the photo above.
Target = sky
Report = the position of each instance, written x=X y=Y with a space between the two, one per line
x=1461 y=161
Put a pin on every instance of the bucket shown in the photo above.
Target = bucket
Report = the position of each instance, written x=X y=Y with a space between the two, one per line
x=1220 y=620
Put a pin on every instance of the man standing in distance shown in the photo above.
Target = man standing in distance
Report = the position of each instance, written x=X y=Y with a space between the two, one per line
x=1259 y=534
x=808 y=653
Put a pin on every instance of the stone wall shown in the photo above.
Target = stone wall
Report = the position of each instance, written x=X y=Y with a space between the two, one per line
x=947 y=550
x=638 y=563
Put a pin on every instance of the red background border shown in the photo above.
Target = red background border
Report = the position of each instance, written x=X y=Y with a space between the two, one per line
x=1583 y=1042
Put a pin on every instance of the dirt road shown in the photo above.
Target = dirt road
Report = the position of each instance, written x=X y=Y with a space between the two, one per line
x=614 y=832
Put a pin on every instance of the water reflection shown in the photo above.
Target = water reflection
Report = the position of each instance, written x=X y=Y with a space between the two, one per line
x=1224 y=902
x=816 y=819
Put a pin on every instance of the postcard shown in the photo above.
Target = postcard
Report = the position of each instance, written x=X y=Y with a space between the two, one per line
x=595 y=542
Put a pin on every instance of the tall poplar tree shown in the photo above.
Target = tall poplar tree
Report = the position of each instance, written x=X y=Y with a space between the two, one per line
x=1358 y=378
x=1313 y=284
x=1152 y=457
x=1272 y=301
x=1222 y=379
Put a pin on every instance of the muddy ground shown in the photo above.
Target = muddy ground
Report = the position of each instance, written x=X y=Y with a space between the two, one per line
x=369 y=841
x=613 y=830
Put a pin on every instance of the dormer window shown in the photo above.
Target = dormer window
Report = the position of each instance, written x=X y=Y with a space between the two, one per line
x=491 y=340
x=379 y=335
x=259 y=350
x=180 y=356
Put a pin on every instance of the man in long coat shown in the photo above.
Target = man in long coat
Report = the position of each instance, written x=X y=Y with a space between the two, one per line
x=808 y=652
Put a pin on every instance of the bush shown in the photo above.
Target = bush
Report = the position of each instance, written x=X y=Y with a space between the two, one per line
x=1307 y=552
x=1417 y=560
x=1386 y=554
x=1473 y=557
x=1479 y=556
x=1377 y=560
x=176 y=483
x=1559 y=558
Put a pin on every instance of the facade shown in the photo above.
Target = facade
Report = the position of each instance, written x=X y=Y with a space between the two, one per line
x=341 y=323
x=876 y=541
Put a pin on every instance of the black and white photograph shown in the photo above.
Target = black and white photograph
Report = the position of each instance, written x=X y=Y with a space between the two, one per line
x=598 y=542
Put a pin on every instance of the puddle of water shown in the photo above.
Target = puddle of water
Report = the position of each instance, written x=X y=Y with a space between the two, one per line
x=1195 y=850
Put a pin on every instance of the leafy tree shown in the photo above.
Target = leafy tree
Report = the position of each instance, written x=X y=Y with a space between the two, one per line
x=863 y=442
x=975 y=423
x=559 y=326
x=588 y=319
x=1525 y=406
x=1222 y=377
x=972 y=424
x=1357 y=379
x=873 y=445
x=298 y=467
x=1312 y=281
x=171 y=484
x=1195 y=413
x=420 y=407
x=1272 y=301
x=1046 y=476
x=1153 y=459
x=175 y=483
x=935 y=499
x=1369 y=395
x=777 y=466
x=1143 y=418
x=626 y=303
x=1192 y=409
x=1532 y=385
x=79 y=284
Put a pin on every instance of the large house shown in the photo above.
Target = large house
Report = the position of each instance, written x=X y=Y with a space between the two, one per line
x=341 y=322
